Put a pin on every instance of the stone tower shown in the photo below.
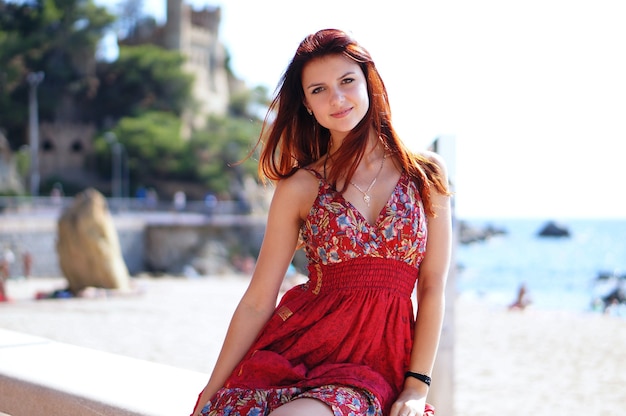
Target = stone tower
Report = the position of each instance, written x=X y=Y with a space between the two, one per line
x=195 y=34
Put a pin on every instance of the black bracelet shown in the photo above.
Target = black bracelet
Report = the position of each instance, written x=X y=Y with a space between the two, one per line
x=421 y=377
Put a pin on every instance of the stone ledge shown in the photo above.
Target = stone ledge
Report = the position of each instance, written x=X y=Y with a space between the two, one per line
x=43 y=377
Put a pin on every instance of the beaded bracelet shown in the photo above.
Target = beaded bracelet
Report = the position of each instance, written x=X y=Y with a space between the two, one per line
x=421 y=377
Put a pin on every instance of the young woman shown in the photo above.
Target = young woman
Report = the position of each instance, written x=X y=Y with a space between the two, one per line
x=374 y=220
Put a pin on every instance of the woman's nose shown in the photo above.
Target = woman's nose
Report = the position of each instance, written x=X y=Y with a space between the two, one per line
x=336 y=96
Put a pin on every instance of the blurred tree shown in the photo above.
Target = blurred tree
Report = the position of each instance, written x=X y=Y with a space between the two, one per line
x=249 y=103
x=216 y=152
x=143 y=78
x=140 y=96
x=153 y=145
x=130 y=14
x=58 y=37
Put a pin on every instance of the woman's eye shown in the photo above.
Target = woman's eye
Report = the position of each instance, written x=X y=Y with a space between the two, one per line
x=316 y=90
x=347 y=80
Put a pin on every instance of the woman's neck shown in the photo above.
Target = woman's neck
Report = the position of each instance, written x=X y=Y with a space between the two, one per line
x=372 y=148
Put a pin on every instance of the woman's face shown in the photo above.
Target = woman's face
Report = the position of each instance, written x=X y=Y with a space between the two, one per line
x=335 y=90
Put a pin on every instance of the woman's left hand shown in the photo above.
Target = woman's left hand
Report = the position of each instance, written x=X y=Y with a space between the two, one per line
x=409 y=403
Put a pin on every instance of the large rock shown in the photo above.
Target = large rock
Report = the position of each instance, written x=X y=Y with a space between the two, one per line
x=552 y=229
x=88 y=245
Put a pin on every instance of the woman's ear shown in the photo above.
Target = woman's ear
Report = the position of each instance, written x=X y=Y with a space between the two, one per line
x=307 y=108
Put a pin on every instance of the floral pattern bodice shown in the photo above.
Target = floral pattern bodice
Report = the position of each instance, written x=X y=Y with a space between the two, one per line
x=336 y=231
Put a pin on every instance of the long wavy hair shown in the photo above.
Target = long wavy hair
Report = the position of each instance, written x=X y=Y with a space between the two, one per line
x=291 y=138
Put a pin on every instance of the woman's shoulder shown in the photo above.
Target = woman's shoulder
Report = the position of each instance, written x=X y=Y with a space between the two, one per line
x=304 y=182
x=301 y=189
x=434 y=158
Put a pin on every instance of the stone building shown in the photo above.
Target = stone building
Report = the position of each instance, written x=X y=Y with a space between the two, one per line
x=66 y=146
x=194 y=33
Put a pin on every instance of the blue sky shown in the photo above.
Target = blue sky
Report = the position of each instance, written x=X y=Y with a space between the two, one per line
x=533 y=92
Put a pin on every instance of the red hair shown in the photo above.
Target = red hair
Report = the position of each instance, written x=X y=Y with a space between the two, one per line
x=294 y=139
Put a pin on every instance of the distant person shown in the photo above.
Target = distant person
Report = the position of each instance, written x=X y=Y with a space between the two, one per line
x=180 y=200
x=6 y=261
x=210 y=202
x=152 y=198
x=8 y=258
x=614 y=298
x=141 y=194
x=243 y=263
x=3 y=293
x=522 y=300
x=56 y=194
x=27 y=263
x=374 y=220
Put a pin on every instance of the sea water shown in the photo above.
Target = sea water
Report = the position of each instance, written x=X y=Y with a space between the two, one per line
x=559 y=273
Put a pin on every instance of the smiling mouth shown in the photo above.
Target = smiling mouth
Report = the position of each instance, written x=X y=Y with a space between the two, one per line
x=342 y=113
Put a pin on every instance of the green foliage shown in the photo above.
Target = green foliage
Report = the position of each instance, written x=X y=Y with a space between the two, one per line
x=216 y=157
x=58 y=37
x=143 y=78
x=220 y=152
x=152 y=143
x=139 y=98
x=249 y=103
x=155 y=137
x=8 y=192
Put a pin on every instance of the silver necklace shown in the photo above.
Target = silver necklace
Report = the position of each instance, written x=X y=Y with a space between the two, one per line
x=366 y=197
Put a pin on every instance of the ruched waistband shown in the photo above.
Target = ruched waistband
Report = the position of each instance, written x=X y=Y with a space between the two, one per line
x=368 y=273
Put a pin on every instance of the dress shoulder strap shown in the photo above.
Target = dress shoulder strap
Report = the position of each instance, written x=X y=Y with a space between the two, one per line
x=314 y=173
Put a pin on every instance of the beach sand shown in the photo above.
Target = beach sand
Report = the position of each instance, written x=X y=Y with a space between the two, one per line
x=506 y=363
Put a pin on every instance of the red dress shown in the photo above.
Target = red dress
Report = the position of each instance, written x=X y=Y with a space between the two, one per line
x=352 y=323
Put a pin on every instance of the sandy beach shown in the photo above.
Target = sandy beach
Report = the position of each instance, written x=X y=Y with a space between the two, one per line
x=509 y=363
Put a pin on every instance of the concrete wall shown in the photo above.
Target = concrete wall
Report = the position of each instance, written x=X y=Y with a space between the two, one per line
x=163 y=243
x=36 y=236
x=43 y=377
x=39 y=236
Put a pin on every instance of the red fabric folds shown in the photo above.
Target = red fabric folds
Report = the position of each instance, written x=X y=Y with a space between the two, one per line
x=352 y=324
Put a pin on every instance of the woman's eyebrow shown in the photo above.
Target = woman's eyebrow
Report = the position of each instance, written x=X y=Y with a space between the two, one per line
x=316 y=84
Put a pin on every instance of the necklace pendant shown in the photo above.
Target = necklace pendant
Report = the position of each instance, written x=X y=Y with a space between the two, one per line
x=367 y=199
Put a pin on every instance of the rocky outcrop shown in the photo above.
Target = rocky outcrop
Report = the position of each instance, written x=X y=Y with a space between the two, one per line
x=552 y=229
x=88 y=245
x=470 y=234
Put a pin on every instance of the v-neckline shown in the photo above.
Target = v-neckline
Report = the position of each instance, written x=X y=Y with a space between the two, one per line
x=351 y=206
